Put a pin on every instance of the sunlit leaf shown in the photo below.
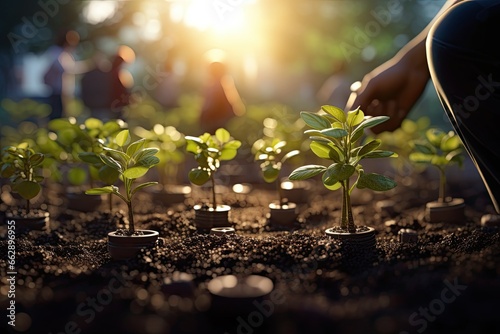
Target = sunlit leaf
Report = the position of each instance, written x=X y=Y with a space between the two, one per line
x=315 y=121
x=135 y=172
x=336 y=112
x=306 y=172
x=375 y=182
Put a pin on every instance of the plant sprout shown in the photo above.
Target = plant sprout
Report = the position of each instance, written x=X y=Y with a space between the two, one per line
x=131 y=161
x=20 y=164
x=209 y=150
x=334 y=137
x=439 y=149
x=268 y=152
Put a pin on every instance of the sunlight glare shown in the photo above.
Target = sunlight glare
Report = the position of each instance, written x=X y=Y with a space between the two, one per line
x=98 y=11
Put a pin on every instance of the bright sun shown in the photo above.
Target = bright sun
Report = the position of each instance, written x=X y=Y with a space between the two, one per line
x=220 y=17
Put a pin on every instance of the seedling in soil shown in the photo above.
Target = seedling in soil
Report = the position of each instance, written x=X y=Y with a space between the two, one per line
x=335 y=138
x=268 y=151
x=21 y=164
x=209 y=150
x=131 y=161
x=440 y=149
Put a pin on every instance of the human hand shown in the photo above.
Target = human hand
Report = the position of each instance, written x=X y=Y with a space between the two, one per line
x=391 y=90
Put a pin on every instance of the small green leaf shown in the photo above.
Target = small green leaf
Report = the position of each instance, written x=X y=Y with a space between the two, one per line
x=380 y=154
x=336 y=112
x=135 y=146
x=135 y=172
x=420 y=157
x=424 y=148
x=435 y=136
x=337 y=172
x=333 y=187
x=270 y=172
x=450 y=142
x=27 y=189
x=334 y=133
x=375 y=182
x=370 y=122
x=222 y=135
x=36 y=159
x=100 y=191
x=93 y=123
x=198 y=176
x=322 y=140
x=368 y=147
x=315 y=121
x=111 y=162
x=306 y=172
x=227 y=154
x=145 y=152
x=148 y=161
x=320 y=149
x=122 y=138
x=355 y=117
x=108 y=175
x=233 y=144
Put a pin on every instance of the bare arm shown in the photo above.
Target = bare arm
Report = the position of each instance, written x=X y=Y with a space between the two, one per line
x=395 y=86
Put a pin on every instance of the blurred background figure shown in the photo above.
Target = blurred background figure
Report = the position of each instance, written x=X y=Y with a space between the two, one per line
x=168 y=90
x=105 y=90
x=221 y=99
x=336 y=88
x=61 y=73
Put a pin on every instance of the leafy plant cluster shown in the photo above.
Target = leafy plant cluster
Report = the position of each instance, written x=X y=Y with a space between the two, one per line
x=269 y=151
x=209 y=150
x=130 y=161
x=336 y=137
x=22 y=165
x=439 y=149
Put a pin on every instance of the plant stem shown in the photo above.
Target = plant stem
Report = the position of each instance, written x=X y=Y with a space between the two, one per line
x=214 y=201
x=280 y=194
x=442 y=186
x=28 y=206
x=347 y=220
x=131 y=226
x=343 y=219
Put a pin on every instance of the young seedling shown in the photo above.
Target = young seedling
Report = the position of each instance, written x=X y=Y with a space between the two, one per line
x=335 y=137
x=21 y=164
x=439 y=149
x=209 y=150
x=268 y=152
x=131 y=161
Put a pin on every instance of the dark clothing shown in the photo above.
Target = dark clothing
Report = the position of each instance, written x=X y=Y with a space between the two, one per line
x=465 y=68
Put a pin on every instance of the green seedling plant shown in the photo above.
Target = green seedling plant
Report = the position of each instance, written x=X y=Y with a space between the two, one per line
x=441 y=150
x=131 y=161
x=268 y=151
x=336 y=137
x=21 y=165
x=209 y=150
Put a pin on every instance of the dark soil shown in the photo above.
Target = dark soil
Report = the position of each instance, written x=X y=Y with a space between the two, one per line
x=447 y=282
